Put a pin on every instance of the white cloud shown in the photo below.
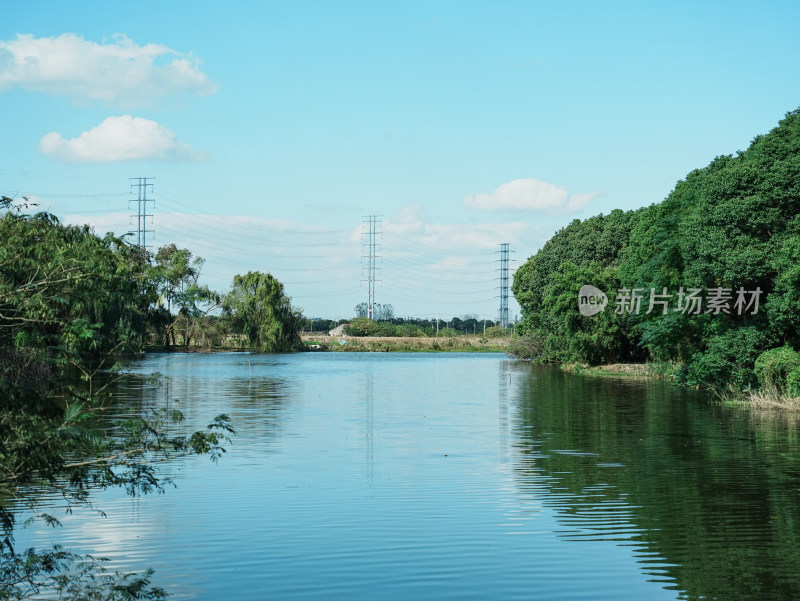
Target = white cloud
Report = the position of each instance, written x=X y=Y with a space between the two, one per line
x=410 y=225
x=529 y=195
x=118 y=72
x=123 y=138
x=408 y=220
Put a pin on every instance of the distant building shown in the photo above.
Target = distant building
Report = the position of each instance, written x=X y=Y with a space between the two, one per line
x=338 y=330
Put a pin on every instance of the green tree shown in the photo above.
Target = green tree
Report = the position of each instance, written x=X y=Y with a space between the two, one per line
x=177 y=274
x=63 y=287
x=176 y=271
x=259 y=308
x=734 y=224
x=362 y=326
x=783 y=305
x=70 y=303
x=547 y=285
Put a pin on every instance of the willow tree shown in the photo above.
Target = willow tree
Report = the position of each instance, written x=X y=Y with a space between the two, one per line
x=260 y=309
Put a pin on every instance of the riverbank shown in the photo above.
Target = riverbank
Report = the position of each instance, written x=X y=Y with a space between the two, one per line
x=369 y=344
x=639 y=371
x=762 y=399
x=406 y=344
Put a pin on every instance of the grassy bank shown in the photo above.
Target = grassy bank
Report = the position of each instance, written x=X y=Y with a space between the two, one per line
x=476 y=344
x=639 y=371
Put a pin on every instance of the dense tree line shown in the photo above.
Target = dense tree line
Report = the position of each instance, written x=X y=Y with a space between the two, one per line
x=412 y=327
x=728 y=236
x=110 y=294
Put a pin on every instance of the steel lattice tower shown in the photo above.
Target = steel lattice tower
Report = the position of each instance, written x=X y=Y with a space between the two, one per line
x=504 y=261
x=371 y=234
x=141 y=208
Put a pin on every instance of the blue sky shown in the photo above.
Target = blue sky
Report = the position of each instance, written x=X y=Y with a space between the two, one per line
x=272 y=128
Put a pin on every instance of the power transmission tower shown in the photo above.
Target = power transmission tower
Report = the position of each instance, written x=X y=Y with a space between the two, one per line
x=372 y=233
x=504 y=261
x=141 y=201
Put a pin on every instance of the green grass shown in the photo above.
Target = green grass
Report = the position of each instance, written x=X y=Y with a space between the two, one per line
x=636 y=371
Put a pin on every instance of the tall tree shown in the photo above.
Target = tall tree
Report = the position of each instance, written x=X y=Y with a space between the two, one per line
x=70 y=302
x=261 y=310
x=56 y=279
x=177 y=273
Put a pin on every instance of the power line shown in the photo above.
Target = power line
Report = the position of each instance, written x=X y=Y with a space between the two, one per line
x=410 y=242
x=420 y=271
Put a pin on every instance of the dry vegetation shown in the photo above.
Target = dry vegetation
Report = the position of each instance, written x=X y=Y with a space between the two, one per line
x=769 y=399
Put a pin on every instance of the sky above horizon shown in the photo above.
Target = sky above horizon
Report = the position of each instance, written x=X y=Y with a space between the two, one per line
x=273 y=129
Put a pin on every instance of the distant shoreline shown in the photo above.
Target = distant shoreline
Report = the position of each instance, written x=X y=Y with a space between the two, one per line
x=474 y=343
x=369 y=344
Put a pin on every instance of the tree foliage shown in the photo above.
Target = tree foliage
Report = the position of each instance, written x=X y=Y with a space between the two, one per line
x=176 y=273
x=363 y=326
x=398 y=326
x=380 y=312
x=734 y=224
x=62 y=286
x=71 y=303
x=774 y=367
x=259 y=308
x=547 y=286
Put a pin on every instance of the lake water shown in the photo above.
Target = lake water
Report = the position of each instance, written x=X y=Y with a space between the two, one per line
x=453 y=476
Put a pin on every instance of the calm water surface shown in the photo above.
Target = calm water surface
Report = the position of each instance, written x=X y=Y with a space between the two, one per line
x=453 y=476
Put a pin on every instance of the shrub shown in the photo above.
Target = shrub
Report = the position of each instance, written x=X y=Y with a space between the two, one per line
x=361 y=326
x=528 y=346
x=774 y=366
x=497 y=332
x=410 y=331
x=386 y=328
x=728 y=359
x=793 y=382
